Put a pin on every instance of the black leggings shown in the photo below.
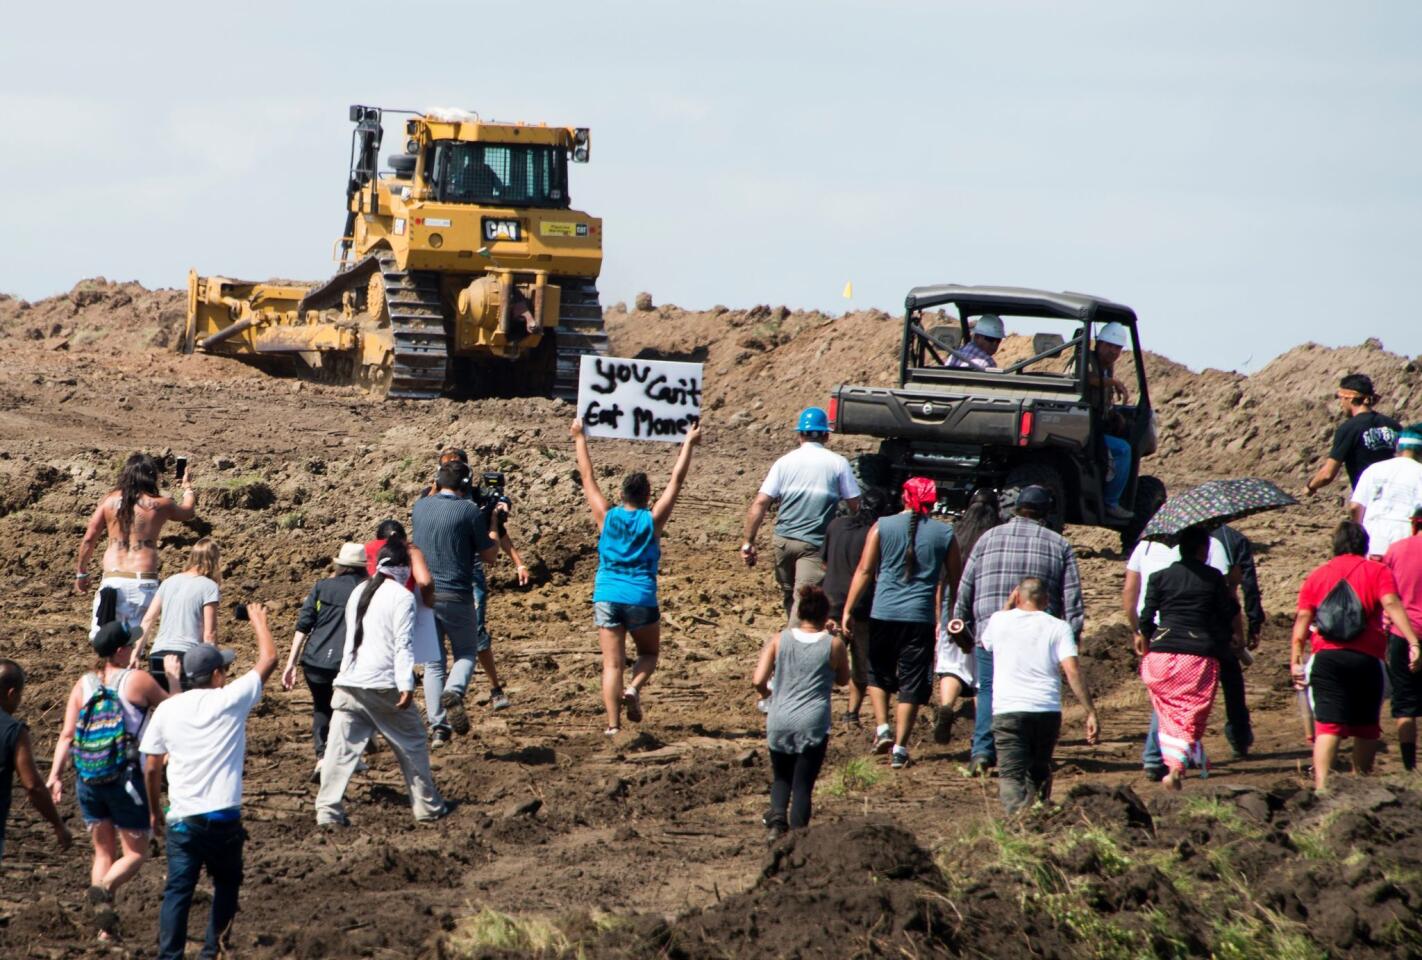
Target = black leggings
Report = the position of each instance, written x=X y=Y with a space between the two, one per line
x=319 y=682
x=795 y=775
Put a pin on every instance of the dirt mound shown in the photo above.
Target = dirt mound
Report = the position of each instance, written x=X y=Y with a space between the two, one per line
x=98 y=314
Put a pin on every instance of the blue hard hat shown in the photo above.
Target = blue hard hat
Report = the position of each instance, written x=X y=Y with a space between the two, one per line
x=813 y=420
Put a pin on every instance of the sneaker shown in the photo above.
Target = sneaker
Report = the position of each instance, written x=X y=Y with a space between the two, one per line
x=454 y=712
x=899 y=758
x=943 y=725
x=499 y=700
x=1119 y=512
x=883 y=742
x=773 y=835
x=439 y=738
x=1155 y=774
x=850 y=718
x=632 y=703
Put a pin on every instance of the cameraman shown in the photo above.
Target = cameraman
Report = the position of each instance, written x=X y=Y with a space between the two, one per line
x=494 y=504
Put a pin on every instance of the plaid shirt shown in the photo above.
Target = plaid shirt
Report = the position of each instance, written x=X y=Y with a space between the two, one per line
x=970 y=355
x=1003 y=556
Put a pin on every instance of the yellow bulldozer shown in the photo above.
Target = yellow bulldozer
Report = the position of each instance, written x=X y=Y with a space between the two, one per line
x=462 y=269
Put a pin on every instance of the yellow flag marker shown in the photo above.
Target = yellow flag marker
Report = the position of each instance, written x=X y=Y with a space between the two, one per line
x=848 y=290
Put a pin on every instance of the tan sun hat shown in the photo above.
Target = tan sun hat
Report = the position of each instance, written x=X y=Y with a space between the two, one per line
x=351 y=555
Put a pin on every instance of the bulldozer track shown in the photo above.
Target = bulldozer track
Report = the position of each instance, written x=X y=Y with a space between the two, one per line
x=421 y=363
x=580 y=332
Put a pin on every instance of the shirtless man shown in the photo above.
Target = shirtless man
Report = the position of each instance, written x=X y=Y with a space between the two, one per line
x=133 y=514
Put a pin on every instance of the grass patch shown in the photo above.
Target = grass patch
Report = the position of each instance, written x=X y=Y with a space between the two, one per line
x=855 y=775
x=491 y=930
x=385 y=495
x=295 y=520
x=1246 y=937
x=1222 y=812
x=1112 y=858
x=1312 y=842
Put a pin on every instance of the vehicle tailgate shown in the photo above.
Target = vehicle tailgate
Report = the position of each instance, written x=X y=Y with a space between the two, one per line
x=922 y=415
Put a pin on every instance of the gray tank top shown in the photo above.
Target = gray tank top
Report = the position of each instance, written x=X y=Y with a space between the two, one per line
x=799 y=716
x=909 y=600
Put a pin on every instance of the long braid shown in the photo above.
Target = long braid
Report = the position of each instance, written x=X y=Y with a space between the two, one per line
x=362 y=607
x=911 y=550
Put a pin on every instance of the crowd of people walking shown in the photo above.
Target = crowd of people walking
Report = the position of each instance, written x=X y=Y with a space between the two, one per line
x=884 y=592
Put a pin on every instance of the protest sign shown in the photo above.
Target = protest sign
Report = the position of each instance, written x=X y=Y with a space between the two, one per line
x=638 y=399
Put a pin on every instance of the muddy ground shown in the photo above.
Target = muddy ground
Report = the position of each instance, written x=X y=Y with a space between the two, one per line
x=652 y=845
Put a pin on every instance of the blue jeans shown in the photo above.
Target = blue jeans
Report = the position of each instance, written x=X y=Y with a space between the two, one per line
x=481 y=599
x=1120 y=452
x=1238 y=729
x=457 y=623
x=984 y=746
x=192 y=846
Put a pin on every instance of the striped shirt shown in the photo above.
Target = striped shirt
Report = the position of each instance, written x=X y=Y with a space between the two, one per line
x=1003 y=556
x=970 y=355
x=451 y=532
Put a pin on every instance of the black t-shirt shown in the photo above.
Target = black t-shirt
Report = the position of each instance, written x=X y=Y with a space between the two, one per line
x=844 y=542
x=10 y=730
x=1361 y=441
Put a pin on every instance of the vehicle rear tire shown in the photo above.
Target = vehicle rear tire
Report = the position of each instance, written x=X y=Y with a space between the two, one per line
x=873 y=470
x=1035 y=474
x=1150 y=496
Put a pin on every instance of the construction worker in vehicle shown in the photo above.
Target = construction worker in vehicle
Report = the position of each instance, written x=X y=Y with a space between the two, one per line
x=978 y=352
x=1107 y=390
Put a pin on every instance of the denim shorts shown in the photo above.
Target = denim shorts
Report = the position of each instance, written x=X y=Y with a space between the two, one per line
x=113 y=801
x=631 y=616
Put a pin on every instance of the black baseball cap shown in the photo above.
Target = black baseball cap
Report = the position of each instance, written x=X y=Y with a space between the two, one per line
x=114 y=636
x=1035 y=496
x=204 y=658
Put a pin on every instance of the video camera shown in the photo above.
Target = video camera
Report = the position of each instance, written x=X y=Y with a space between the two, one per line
x=488 y=495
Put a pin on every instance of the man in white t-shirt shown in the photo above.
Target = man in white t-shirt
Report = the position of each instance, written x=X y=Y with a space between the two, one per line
x=202 y=736
x=1031 y=649
x=1387 y=495
x=808 y=483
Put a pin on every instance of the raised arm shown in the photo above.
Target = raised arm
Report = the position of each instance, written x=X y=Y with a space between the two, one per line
x=597 y=503
x=266 y=649
x=662 y=511
x=186 y=507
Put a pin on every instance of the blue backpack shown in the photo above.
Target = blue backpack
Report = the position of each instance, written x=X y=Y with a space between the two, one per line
x=103 y=749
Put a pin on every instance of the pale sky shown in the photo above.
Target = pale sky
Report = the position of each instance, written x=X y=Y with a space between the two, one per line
x=1245 y=175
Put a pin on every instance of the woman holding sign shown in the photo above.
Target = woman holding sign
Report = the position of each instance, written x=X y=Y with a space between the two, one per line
x=625 y=591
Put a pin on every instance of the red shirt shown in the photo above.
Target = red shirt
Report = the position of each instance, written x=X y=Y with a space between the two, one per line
x=1404 y=559
x=1371 y=580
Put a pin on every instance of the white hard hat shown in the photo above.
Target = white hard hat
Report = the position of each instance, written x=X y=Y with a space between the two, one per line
x=989 y=325
x=1114 y=333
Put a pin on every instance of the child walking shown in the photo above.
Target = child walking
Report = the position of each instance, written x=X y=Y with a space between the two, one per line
x=806 y=661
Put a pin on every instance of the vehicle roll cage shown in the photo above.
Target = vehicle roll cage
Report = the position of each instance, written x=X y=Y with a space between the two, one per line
x=973 y=301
